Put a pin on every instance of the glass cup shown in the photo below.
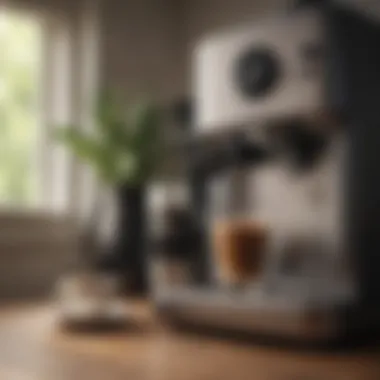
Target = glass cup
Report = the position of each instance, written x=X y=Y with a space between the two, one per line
x=239 y=248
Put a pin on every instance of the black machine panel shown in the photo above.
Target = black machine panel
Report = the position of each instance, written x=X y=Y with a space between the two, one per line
x=354 y=84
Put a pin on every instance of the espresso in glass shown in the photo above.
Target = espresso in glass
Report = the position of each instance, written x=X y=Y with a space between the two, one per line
x=239 y=248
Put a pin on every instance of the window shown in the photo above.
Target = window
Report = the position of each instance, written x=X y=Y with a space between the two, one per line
x=48 y=79
x=20 y=66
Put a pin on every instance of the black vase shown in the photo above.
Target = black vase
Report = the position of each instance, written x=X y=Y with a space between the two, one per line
x=130 y=237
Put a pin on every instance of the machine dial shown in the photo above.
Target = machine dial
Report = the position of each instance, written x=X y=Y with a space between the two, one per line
x=256 y=72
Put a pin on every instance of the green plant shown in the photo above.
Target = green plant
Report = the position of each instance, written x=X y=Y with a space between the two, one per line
x=124 y=147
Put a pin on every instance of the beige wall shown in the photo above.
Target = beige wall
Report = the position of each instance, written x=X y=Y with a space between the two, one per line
x=204 y=16
x=142 y=47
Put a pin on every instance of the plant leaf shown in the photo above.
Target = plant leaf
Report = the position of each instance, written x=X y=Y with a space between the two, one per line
x=145 y=136
x=122 y=149
x=110 y=119
x=83 y=146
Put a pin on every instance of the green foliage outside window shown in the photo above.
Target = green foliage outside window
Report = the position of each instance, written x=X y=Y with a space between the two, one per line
x=20 y=53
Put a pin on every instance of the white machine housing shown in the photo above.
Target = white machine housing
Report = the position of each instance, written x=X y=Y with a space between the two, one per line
x=295 y=42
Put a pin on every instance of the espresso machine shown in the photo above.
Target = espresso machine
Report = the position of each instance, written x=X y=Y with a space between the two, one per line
x=286 y=132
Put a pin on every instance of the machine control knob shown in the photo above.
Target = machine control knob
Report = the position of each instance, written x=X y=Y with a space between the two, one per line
x=256 y=72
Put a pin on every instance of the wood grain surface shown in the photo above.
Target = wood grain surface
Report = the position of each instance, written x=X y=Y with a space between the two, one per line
x=33 y=347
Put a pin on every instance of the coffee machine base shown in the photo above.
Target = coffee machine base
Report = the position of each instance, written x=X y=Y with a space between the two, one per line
x=274 y=319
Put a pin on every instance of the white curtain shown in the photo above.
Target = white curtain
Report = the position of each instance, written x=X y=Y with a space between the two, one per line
x=70 y=86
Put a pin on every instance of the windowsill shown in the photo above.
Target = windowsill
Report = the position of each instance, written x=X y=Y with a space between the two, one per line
x=33 y=215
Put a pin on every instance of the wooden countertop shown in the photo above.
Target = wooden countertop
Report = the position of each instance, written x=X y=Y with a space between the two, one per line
x=32 y=347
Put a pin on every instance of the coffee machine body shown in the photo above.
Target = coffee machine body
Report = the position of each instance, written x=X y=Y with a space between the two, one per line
x=303 y=87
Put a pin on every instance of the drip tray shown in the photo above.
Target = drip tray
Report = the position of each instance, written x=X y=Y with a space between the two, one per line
x=285 y=316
